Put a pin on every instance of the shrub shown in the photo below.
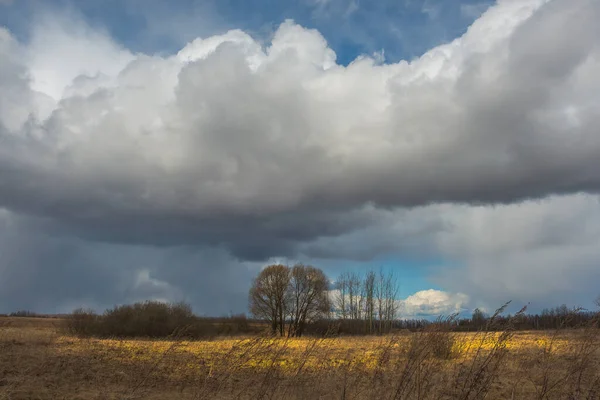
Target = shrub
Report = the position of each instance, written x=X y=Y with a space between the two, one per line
x=233 y=325
x=82 y=322
x=442 y=344
x=149 y=319
x=437 y=340
x=153 y=319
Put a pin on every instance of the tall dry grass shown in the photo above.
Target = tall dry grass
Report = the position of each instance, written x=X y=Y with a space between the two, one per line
x=434 y=363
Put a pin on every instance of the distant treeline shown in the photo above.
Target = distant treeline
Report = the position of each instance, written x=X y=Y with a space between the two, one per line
x=161 y=320
x=553 y=318
x=297 y=300
x=32 y=314
x=556 y=318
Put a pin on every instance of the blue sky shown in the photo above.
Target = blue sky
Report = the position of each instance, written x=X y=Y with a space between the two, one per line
x=413 y=275
x=404 y=29
x=470 y=170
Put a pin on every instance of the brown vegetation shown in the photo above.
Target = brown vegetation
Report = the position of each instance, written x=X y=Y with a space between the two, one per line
x=38 y=360
x=153 y=319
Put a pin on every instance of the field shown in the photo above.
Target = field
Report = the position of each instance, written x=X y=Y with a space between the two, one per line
x=37 y=361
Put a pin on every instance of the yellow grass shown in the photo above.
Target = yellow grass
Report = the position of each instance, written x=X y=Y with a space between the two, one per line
x=37 y=361
x=358 y=352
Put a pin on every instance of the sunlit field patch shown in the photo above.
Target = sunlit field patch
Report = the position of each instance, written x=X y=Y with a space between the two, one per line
x=290 y=354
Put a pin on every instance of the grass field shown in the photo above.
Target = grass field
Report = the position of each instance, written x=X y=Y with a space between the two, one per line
x=37 y=361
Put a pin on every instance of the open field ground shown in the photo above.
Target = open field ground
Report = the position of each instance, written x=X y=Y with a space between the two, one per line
x=37 y=361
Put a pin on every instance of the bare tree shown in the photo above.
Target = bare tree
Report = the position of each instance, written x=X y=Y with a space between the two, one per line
x=390 y=296
x=267 y=297
x=368 y=294
x=341 y=297
x=354 y=295
x=380 y=300
x=387 y=297
x=308 y=297
x=297 y=295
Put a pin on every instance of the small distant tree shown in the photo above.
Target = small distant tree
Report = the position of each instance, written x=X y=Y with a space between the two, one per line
x=478 y=318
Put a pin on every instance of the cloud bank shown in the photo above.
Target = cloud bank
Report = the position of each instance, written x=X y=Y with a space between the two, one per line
x=242 y=151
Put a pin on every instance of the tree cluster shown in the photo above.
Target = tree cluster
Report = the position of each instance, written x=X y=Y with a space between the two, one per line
x=297 y=300
x=370 y=298
x=290 y=298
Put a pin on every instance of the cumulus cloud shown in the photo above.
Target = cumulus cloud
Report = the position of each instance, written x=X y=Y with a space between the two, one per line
x=276 y=150
x=428 y=303
x=227 y=127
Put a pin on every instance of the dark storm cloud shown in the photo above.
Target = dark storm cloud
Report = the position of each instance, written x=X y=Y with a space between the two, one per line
x=44 y=271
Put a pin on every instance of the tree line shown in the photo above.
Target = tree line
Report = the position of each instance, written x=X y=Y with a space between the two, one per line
x=550 y=318
x=293 y=298
x=300 y=299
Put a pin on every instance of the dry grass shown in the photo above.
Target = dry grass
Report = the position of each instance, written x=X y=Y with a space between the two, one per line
x=38 y=362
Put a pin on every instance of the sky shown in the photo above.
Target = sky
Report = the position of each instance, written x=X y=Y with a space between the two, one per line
x=170 y=150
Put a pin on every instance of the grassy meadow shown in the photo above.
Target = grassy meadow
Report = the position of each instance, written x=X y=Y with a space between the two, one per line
x=39 y=361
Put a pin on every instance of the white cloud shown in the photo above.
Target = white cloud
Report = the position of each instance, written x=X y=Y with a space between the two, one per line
x=62 y=48
x=222 y=132
x=423 y=304
x=245 y=145
x=431 y=302
x=201 y=48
